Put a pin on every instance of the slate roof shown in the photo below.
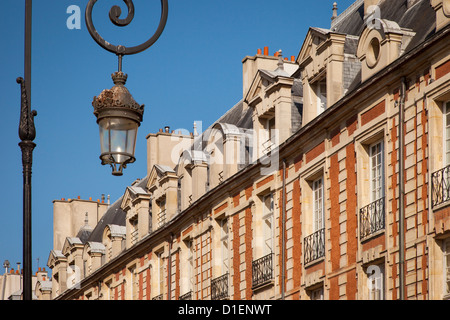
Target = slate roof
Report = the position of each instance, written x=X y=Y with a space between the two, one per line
x=417 y=15
x=113 y=216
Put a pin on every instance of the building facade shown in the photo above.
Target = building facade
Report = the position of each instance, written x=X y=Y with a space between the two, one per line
x=328 y=180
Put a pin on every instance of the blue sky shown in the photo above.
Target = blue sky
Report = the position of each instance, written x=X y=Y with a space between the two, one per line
x=192 y=73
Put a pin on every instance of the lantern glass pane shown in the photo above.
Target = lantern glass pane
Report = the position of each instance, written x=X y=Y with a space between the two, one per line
x=118 y=136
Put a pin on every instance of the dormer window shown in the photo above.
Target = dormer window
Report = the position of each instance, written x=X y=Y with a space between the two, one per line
x=321 y=93
x=162 y=212
x=270 y=134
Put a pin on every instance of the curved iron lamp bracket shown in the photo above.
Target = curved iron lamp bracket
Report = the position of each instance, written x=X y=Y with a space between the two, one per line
x=114 y=15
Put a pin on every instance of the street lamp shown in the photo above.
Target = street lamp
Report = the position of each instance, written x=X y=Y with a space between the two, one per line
x=118 y=114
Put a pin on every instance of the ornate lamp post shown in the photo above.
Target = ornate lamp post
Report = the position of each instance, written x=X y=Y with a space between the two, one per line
x=27 y=133
x=118 y=115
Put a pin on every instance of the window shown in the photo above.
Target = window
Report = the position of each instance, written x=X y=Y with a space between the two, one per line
x=190 y=265
x=267 y=224
x=187 y=270
x=224 y=244
x=134 y=284
x=376 y=171
x=316 y=294
x=440 y=179
x=270 y=134
x=446 y=272
x=159 y=276
x=134 y=230
x=447 y=133
x=372 y=215
x=318 y=218
x=321 y=92
x=314 y=243
x=162 y=213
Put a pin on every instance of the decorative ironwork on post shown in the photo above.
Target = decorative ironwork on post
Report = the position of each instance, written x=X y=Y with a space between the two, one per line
x=27 y=133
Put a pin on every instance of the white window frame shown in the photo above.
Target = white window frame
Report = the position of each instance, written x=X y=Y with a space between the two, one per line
x=316 y=294
x=446 y=134
x=321 y=98
x=318 y=204
x=224 y=245
x=159 y=271
x=446 y=269
x=377 y=171
x=190 y=268
x=267 y=224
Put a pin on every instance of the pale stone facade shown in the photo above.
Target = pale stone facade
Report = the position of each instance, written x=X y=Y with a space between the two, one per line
x=307 y=188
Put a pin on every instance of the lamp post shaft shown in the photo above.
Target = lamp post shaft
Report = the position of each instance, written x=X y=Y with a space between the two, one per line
x=27 y=56
x=27 y=161
x=27 y=133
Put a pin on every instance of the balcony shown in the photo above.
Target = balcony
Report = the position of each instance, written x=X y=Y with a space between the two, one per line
x=186 y=296
x=158 y=297
x=314 y=246
x=371 y=218
x=262 y=270
x=440 y=186
x=219 y=287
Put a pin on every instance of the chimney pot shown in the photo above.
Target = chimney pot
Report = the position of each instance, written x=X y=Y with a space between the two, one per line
x=259 y=51
x=266 y=51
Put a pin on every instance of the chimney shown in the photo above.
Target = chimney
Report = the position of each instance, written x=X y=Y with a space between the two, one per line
x=368 y=4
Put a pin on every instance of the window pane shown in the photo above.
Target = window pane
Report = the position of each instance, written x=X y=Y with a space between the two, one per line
x=318 y=204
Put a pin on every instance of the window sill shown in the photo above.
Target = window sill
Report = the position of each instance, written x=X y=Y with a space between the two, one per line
x=264 y=285
x=372 y=236
x=317 y=261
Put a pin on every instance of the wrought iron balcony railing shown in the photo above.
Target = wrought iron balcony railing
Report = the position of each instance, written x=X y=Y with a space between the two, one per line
x=314 y=246
x=371 y=218
x=262 y=270
x=186 y=296
x=219 y=287
x=440 y=186
x=158 y=297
